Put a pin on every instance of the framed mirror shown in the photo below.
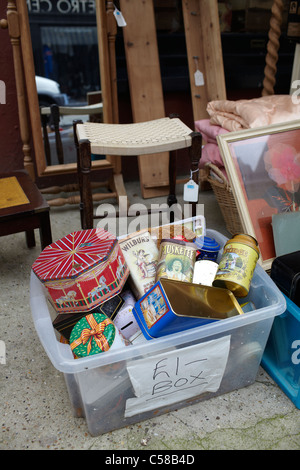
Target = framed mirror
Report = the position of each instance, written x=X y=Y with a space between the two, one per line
x=106 y=29
x=263 y=168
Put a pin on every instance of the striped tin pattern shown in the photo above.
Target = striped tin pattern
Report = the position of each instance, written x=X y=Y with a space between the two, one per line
x=74 y=254
x=82 y=270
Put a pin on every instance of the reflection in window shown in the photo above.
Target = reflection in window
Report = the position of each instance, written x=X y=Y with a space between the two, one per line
x=70 y=56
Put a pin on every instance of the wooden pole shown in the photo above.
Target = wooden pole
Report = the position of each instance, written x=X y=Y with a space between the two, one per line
x=14 y=33
x=104 y=61
x=272 y=48
x=111 y=34
x=29 y=73
x=204 y=51
x=106 y=31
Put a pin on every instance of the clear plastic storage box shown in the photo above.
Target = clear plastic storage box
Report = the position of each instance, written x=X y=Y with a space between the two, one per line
x=134 y=383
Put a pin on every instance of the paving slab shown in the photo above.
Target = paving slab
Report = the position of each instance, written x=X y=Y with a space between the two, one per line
x=35 y=408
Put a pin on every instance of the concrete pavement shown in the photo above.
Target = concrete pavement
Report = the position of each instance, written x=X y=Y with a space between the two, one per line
x=35 y=408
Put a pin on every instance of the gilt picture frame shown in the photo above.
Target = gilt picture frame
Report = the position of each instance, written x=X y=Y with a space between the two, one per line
x=263 y=168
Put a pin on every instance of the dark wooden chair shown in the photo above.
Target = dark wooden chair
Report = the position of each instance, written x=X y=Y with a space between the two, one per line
x=109 y=166
x=156 y=136
x=23 y=208
x=51 y=117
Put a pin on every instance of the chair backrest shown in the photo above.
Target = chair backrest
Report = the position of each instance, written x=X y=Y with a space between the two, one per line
x=50 y=119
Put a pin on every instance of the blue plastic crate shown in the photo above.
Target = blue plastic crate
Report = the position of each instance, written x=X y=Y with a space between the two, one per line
x=281 y=358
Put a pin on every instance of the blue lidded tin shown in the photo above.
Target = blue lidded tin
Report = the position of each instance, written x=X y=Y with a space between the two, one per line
x=207 y=248
x=171 y=306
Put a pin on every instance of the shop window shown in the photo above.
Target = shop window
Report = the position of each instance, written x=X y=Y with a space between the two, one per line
x=70 y=57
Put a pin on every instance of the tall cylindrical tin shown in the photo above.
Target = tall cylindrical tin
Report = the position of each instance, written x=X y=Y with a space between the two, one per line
x=237 y=264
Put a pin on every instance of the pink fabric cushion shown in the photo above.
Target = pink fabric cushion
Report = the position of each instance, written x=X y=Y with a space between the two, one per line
x=209 y=131
x=256 y=112
x=210 y=151
x=211 y=154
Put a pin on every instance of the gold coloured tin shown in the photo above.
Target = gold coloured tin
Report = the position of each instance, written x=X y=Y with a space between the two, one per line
x=199 y=301
x=237 y=264
x=172 y=306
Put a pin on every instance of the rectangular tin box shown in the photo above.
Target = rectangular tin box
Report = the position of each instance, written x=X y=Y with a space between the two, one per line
x=172 y=306
x=82 y=270
x=65 y=322
x=281 y=358
x=107 y=408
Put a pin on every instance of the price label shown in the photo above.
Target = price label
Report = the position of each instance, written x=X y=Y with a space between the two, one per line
x=190 y=191
x=119 y=18
x=199 y=78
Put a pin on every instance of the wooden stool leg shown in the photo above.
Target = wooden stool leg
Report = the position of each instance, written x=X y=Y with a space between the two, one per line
x=83 y=181
x=78 y=121
x=86 y=205
x=58 y=143
x=172 y=178
x=172 y=182
x=44 y=120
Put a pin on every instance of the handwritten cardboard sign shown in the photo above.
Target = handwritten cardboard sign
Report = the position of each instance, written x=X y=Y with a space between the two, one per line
x=177 y=375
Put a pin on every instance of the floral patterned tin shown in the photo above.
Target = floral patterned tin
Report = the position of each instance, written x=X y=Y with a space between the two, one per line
x=82 y=270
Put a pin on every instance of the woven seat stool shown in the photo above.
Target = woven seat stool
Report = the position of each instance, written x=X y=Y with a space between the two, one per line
x=144 y=138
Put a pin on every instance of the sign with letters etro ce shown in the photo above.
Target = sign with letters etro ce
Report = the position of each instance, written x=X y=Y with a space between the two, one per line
x=61 y=7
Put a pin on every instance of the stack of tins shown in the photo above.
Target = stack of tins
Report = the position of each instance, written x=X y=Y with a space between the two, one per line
x=82 y=271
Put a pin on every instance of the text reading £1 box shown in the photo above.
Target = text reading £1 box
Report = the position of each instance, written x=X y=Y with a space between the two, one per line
x=82 y=270
x=143 y=380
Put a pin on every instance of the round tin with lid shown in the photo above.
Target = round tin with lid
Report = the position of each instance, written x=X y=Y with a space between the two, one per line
x=237 y=264
x=207 y=248
x=93 y=334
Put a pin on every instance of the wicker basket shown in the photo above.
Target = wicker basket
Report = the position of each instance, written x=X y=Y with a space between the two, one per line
x=225 y=198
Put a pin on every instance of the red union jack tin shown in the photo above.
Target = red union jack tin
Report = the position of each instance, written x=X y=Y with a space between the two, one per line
x=82 y=270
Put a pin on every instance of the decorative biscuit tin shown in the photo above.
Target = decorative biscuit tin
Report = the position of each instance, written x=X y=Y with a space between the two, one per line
x=141 y=254
x=65 y=322
x=82 y=270
x=237 y=264
x=111 y=306
x=93 y=334
x=176 y=260
x=172 y=306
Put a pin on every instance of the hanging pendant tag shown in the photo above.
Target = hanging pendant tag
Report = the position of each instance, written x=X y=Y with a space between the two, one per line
x=119 y=18
x=199 y=79
x=190 y=191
